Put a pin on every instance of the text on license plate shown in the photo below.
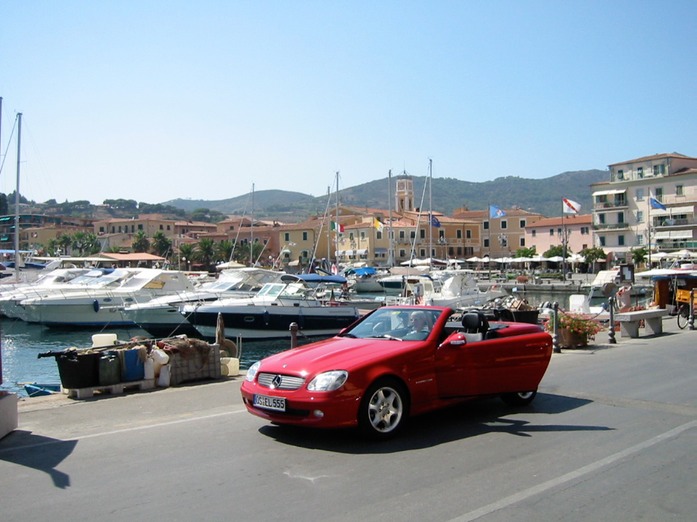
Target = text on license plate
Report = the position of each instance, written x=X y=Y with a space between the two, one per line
x=270 y=403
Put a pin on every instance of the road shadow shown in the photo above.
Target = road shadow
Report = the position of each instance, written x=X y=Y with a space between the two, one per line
x=432 y=429
x=38 y=452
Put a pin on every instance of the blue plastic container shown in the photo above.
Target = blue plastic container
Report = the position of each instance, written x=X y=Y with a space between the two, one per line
x=133 y=369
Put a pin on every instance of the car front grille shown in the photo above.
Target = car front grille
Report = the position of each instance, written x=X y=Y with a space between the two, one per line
x=277 y=381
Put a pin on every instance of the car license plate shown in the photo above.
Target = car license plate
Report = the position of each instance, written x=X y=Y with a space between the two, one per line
x=270 y=403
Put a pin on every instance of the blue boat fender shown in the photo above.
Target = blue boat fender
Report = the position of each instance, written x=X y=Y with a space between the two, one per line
x=95 y=305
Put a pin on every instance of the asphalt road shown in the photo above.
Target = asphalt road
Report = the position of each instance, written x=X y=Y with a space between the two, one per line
x=611 y=436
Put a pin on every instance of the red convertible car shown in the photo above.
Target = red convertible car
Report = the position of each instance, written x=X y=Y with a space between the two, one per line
x=395 y=362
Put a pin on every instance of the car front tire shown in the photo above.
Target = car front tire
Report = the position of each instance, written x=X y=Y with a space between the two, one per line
x=383 y=410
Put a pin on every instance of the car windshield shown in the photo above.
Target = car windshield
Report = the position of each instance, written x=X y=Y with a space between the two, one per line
x=407 y=323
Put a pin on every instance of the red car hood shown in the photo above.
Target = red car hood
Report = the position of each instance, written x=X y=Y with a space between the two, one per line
x=337 y=353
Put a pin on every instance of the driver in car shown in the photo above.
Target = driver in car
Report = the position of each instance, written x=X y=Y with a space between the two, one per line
x=419 y=326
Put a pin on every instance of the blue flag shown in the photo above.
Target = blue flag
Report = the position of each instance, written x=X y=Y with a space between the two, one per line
x=434 y=221
x=655 y=204
x=496 y=212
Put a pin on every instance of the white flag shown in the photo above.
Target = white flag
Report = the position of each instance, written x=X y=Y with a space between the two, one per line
x=570 y=207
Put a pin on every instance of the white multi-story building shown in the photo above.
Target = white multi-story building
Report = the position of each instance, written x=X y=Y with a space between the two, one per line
x=624 y=217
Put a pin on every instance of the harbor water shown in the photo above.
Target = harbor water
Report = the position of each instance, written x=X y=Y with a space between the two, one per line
x=22 y=343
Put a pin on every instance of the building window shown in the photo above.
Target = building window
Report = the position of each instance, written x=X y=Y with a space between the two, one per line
x=659 y=194
x=458 y=234
x=601 y=219
x=522 y=223
x=140 y=226
x=286 y=236
x=640 y=216
x=401 y=234
x=486 y=225
x=620 y=240
x=640 y=172
x=601 y=240
x=412 y=234
x=422 y=234
x=534 y=233
x=639 y=194
x=468 y=234
x=362 y=234
x=522 y=242
x=486 y=243
x=640 y=239
x=304 y=236
x=402 y=254
x=679 y=190
x=620 y=174
x=551 y=232
x=378 y=235
x=504 y=224
x=620 y=218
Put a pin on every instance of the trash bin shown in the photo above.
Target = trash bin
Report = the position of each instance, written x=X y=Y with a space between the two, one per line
x=525 y=316
x=109 y=369
x=78 y=369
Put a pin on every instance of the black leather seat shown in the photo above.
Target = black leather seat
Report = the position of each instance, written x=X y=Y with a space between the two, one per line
x=475 y=323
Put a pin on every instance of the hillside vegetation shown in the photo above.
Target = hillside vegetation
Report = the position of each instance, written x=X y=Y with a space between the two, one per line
x=448 y=194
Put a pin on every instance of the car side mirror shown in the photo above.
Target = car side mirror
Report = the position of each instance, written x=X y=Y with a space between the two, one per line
x=455 y=339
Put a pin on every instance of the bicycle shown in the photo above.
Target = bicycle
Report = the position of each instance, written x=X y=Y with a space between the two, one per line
x=683 y=315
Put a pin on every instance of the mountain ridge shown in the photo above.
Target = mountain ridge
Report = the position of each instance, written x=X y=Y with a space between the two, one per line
x=447 y=194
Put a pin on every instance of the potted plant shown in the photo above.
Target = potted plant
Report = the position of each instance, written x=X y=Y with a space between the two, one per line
x=574 y=329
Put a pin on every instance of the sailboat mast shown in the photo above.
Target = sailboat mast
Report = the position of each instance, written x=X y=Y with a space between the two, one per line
x=390 y=245
x=251 y=235
x=430 y=213
x=337 y=227
x=16 y=238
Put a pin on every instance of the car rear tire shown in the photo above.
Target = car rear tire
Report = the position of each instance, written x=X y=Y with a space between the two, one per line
x=519 y=398
x=383 y=409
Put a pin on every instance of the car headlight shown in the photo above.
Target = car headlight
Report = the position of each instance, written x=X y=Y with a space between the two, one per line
x=252 y=372
x=328 y=381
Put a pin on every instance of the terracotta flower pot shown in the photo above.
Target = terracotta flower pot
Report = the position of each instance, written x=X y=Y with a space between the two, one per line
x=569 y=339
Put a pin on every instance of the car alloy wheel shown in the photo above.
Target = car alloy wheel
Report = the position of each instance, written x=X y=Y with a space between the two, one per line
x=383 y=409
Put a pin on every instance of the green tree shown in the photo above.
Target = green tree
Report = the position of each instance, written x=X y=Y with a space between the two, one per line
x=223 y=250
x=555 y=250
x=186 y=254
x=593 y=255
x=161 y=244
x=205 y=252
x=4 y=207
x=86 y=243
x=65 y=241
x=526 y=252
x=140 y=242
x=639 y=255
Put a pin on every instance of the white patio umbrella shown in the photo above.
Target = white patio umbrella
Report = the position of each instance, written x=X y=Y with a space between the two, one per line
x=474 y=259
x=683 y=254
x=555 y=259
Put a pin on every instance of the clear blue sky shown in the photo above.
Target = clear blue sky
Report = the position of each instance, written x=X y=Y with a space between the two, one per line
x=156 y=100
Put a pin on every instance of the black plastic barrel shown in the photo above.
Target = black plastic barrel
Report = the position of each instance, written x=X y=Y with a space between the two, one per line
x=78 y=370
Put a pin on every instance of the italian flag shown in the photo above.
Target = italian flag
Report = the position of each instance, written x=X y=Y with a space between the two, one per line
x=337 y=226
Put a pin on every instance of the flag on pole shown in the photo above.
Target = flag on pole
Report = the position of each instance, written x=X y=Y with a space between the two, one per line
x=337 y=226
x=377 y=224
x=495 y=212
x=655 y=204
x=570 y=207
x=434 y=221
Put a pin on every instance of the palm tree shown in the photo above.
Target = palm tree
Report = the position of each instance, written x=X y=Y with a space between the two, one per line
x=161 y=244
x=140 y=242
x=65 y=242
x=206 y=251
x=224 y=250
x=186 y=254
